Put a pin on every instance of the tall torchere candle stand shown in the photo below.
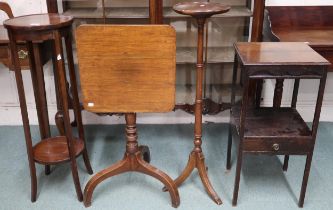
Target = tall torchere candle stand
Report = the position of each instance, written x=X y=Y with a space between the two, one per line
x=200 y=11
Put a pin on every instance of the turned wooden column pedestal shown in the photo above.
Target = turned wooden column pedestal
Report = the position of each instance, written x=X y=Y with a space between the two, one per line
x=136 y=159
x=200 y=11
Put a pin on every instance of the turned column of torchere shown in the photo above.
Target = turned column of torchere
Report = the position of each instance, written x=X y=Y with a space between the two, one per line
x=200 y=11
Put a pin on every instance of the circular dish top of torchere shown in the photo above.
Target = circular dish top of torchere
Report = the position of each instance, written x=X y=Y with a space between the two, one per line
x=200 y=9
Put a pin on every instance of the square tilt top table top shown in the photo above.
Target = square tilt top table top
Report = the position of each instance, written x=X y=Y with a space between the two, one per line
x=127 y=68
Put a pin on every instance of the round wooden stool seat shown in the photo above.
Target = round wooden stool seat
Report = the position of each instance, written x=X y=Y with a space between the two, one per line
x=38 y=22
x=200 y=9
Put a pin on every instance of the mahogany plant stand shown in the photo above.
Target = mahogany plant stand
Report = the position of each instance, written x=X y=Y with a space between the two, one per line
x=200 y=11
x=35 y=29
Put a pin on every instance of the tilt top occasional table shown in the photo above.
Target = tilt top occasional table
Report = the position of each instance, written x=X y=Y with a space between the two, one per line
x=128 y=69
x=276 y=130
x=35 y=29
x=200 y=11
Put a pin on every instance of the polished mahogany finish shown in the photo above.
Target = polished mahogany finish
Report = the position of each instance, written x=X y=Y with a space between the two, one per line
x=158 y=14
x=311 y=24
x=209 y=106
x=200 y=11
x=257 y=21
x=39 y=22
x=5 y=57
x=316 y=38
x=156 y=11
x=55 y=150
x=275 y=130
x=128 y=69
x=269 y=53
x=255 y=88
x=6 y=8
x=51 y=150
x=3 y=35
x=52 y=6
x=139 y=55
x=44 y=53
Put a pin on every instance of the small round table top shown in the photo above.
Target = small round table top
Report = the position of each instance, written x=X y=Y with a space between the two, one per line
x=200 y=9
x=38 y=22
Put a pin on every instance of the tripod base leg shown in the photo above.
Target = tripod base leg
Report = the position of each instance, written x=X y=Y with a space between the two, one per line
x=131 y=162
x=197 y=160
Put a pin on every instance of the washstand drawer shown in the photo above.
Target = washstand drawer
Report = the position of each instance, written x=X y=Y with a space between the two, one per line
x=279 y=146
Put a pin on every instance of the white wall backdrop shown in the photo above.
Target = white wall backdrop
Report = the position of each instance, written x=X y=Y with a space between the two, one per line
x=25 y=7
x=10 y=111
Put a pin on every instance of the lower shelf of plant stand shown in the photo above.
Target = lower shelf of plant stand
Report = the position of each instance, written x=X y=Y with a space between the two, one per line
x=55 y=150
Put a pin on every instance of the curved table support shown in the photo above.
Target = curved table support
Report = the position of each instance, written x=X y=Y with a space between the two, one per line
x=135 y=159
x=197 y=160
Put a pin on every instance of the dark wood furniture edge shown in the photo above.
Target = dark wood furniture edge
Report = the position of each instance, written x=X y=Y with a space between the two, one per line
x=258 y=19
x=56 y=143
x=52 y=6
x=5 y=56
x=6 y=8
x=41 y=105
x=209 y=106
x=255 y=87
x=270 y=31
x=251 y=143
x=155 y=9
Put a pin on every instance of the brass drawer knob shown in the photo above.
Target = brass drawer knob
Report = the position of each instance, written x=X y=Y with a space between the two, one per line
x=276 y=147
x=22 y=54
